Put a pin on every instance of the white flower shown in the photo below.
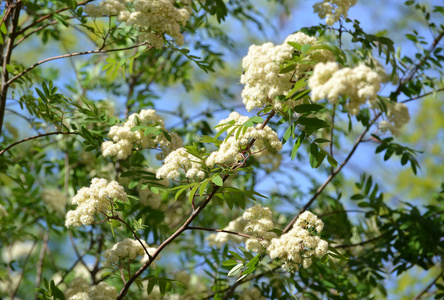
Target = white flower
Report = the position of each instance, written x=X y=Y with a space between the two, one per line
x=97 y=198
x=78 y=289
x=263 y=82
x=102 y=291
x=297 y=246
x=229 y=150
x=360 y=84
x=259 y=226
x=397 y=116
x=180 y=159
x=153 y=18
x=128 y=249
x=124 y=140
x=333 y=10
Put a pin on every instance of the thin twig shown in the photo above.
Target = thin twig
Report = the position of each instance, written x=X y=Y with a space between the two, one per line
x=38 y=276
x=423 y=95
x=23 y=270
x=429 y=286
x=332 y=175
x=116 y=217
x=419 y=64
x=71 y=55
x=77 y=251
x=49 y=16
x=34 y=137
x=361 y=243
x=217 y=230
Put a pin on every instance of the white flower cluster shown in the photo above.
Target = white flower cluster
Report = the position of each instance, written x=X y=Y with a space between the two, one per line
x=124 y=140
x=333 y=10
x=229 y=150
x=263 y=82
x=360 y=84
x=259 y=226
x=221 y=238
x=97 y=198
x=180 y=159
x=397 y=117
x=81 y=290
x=55 y=199
x=300 y=244
x=128 y=249
x=153 y=17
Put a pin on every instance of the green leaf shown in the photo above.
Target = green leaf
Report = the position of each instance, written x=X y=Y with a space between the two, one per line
x=217 y=180
x=203 y=186
x=230 y=262
x=303 y=108
x=313 y=122
x=332 y=161
x=3 y=28
x=305 y=48
x=235 y=255
x=133 y=184
x=297 y=144
x=151 y=284
x=321 y=140
x=357 y=197
x=288 y=133
x=236 y=269
x=192 y=193
x=181 y=190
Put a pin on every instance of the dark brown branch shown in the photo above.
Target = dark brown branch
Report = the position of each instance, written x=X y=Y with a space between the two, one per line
x=34 y=137
x=7 y=58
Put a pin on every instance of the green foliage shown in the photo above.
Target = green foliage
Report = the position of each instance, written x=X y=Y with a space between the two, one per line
x=50 y=291
x=56 y=119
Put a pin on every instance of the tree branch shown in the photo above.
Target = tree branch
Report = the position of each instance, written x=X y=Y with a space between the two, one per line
x=7 y=58
x=419 y=64
x=217 y=230
x=361 y=243
x=49 y=16
x=422 y=96
x=332 y=175
x=184 y=227
x=429 y=286
x=38 y=276
x=32 y=138
x=71 y=55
